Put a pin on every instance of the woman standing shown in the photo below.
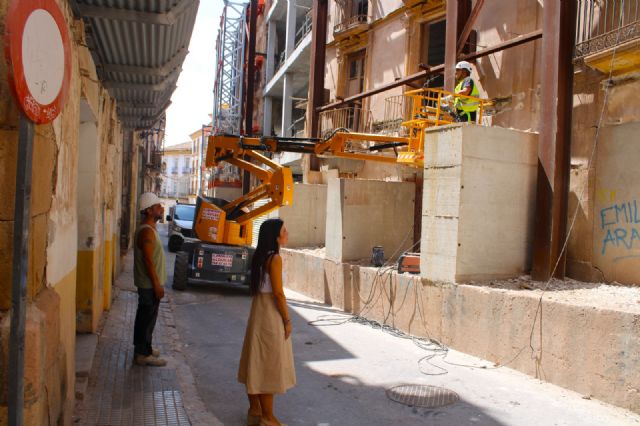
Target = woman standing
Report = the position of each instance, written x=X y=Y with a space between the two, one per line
x=266 y=363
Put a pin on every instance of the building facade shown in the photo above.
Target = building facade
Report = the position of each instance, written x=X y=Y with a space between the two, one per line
x=371 y=44
x=89 y=166
x=287 y=42
x=178 y=171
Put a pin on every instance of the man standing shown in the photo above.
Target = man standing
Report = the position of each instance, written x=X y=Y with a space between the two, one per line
x=465 y=108
x=149 y=275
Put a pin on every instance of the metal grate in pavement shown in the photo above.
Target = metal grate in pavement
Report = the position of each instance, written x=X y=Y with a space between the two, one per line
x=121 y=393
x=422 y=396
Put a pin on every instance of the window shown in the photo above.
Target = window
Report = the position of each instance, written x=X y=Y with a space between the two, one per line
x=359 y=7
x=432 y=47
x=184 y=212
x=355 y=65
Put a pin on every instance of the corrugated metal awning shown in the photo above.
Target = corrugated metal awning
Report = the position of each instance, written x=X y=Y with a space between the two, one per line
x=139 y=47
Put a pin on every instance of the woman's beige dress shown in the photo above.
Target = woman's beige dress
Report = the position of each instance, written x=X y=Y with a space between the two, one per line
x=266 y=363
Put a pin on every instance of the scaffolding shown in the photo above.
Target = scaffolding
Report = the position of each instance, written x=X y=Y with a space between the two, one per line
x=228 y=87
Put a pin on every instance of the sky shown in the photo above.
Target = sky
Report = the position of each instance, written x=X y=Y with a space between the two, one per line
x=192 y=101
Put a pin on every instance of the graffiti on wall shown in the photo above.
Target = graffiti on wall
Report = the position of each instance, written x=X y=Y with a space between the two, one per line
x=620 y=224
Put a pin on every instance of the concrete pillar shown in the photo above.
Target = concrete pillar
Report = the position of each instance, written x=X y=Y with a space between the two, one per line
x=287 y=104
x=290 y=41
x=267 y=116
x=362 y=214
x=272 y=41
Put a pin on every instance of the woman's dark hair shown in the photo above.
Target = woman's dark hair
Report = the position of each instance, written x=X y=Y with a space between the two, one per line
x=267 y=247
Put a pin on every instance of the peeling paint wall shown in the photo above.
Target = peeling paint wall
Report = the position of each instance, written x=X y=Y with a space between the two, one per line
x=393 y=44
x=62 y=220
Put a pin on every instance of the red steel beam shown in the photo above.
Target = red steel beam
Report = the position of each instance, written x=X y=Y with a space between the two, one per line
x=526 y=38
x=469 y=26
x=451 y=37
x=318 y=63
x=554 y=145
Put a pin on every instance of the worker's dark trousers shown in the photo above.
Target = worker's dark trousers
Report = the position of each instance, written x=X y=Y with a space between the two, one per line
x=146 y=316
x=464 y=117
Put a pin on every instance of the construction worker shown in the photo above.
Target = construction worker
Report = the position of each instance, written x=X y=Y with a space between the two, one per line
x=464 y=109
x=149 y=275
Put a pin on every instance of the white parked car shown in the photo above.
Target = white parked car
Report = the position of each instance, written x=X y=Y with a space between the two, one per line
x=180 y=220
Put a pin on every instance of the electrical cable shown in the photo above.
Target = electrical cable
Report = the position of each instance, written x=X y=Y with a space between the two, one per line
x=538 y=312
x=436 y=348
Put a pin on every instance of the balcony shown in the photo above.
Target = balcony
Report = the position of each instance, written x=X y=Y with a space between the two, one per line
x=605 y=26
x=156 y=161
x=353 y=119
x=174 y=170
x=305 y=28
x=186 y=170
x=351 y=26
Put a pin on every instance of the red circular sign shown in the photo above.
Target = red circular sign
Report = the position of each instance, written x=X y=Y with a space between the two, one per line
x=38 y=52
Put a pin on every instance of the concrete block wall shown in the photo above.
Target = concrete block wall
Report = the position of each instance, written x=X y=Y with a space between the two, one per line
x=478 y=203
x=362 y=214
x=579 y=346
x=306 y=218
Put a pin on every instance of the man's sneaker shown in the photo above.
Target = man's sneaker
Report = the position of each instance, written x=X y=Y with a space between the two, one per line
x=155 y=352
x=149 y=360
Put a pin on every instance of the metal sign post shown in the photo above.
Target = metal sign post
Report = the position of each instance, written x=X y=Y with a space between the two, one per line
x=39 y=67
x=20 y=268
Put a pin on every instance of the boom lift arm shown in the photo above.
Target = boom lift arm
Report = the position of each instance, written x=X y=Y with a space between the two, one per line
x=219 y=221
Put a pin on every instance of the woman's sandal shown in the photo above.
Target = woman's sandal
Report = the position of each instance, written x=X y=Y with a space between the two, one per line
x=264 y=422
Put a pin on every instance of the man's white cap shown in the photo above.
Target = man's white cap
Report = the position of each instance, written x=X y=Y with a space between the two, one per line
x=147 y=200
x=464 y=65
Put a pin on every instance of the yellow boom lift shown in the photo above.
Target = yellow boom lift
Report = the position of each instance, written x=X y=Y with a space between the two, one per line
x=224 y=228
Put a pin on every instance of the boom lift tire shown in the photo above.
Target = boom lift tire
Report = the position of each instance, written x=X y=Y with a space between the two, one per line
x=175 y=242
x=180 y=271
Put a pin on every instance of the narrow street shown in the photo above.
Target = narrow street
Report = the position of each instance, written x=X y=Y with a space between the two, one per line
x=344 y=370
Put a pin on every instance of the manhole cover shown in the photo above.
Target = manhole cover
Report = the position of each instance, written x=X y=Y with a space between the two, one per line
x=422 y=396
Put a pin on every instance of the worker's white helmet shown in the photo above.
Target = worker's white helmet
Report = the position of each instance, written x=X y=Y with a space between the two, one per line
x=464 y=65
x=147 y=200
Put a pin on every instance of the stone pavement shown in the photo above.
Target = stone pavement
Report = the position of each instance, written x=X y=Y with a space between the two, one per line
x=121 y=393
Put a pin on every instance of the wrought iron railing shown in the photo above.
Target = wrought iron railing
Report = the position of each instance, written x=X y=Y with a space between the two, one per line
x=350 y=22
x=603 y=24
x=397 y=109
x=354 y=119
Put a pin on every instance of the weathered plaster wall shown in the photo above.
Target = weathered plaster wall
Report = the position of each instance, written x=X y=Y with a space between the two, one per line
x=387 y=57
x=54 y=261
x=602 y=244
x=513 y=72
x=616 y=219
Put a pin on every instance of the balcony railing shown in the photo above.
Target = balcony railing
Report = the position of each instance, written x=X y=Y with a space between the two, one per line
x=349 y=23
x=354 y=119
x=603 y=24
x=304 y=29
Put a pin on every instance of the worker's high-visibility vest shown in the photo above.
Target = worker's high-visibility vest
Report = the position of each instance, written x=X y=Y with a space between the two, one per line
x=466 y=104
